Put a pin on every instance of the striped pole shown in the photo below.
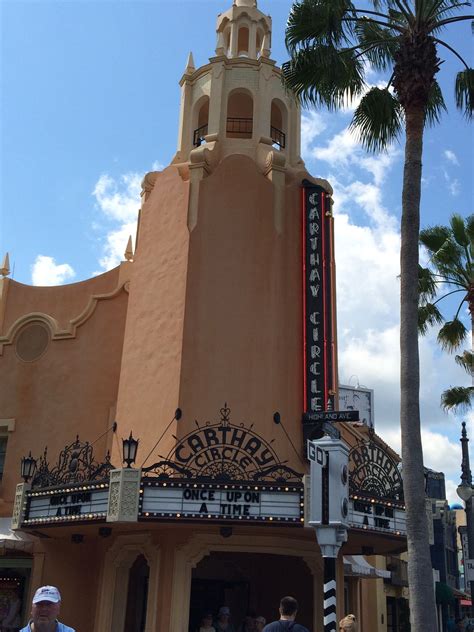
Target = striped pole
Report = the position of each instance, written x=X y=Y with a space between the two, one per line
x=330 y=617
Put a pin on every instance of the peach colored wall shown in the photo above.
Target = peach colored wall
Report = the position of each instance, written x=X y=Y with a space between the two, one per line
x=242 y=333
x=149 y=381
x=63 y=302
x=70 y=390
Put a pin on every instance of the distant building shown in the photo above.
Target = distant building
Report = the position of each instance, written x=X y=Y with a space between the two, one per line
x=444 y=548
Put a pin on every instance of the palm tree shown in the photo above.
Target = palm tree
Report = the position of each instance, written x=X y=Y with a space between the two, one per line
x=451 y=271
x=330 y=43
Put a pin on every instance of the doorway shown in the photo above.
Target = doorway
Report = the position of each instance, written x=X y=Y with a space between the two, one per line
x=249 y=583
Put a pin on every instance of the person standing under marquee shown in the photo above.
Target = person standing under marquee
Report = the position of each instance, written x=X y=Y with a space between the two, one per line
x=44 y=612
x=288 y=609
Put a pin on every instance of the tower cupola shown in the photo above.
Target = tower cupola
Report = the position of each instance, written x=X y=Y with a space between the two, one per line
x=237 y=104
x=244 y=31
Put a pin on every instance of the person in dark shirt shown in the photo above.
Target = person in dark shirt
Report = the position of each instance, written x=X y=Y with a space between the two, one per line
x=286 y=623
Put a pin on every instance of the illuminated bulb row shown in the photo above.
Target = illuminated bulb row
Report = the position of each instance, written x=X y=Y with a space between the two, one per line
x=95 y=516
x=376 y=501
x=72 y=490
x=214 y=486
x=220 y=517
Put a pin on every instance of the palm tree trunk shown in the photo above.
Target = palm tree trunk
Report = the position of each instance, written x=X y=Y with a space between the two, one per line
x=420 y=576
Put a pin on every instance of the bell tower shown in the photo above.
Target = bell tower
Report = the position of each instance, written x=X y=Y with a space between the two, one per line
x=236 y=104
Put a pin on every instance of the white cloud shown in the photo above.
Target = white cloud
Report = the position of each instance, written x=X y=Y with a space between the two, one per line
x=45 y=271
x=451 y=156
x=312 y=124
x=119 y=201
x=455 y=187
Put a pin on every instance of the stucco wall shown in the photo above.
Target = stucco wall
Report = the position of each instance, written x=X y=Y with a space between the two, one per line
x=72 y=388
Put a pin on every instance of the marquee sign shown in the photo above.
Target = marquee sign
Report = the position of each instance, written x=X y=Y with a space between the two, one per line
x=374 y=472
x=222 y=452
x=244 y=503
x=384 y=517
x=319 y=334
x=71 y=504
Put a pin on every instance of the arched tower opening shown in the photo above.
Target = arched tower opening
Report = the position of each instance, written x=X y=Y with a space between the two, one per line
x=239 y=114
x=243 y=41
x=278 y=123
x=200 y=120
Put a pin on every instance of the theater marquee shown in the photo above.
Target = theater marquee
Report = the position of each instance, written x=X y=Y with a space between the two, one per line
x=194 y=501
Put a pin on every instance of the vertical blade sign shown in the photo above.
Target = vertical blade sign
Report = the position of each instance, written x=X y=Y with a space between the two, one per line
x=318 y=327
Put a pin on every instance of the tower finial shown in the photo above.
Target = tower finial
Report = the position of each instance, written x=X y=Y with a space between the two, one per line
x=5 y=267
x=245 y=3
x=129 y=250
x=190 y=67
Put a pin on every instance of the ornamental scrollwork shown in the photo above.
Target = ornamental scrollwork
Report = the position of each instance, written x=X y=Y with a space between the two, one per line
x=75 y=465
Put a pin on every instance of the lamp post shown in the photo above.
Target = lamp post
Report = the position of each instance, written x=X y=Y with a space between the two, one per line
x=465 y=492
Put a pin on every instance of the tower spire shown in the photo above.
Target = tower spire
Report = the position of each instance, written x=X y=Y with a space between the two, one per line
x=190 y=67
x=5 y=267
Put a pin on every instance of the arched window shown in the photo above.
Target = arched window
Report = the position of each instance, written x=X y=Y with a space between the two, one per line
x=243 y=42
x=137 y=597
x=278 y=123
x=239 y=114
x=201 y=120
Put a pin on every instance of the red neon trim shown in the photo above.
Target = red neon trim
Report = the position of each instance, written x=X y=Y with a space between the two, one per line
x=325 y=315
x=333 y=305
x=303 y=223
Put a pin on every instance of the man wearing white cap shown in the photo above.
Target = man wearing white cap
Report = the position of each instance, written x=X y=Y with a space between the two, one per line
x=45 y=610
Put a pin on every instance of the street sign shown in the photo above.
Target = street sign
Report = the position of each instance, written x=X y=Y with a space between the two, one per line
x=331 y=415
x=469 y=570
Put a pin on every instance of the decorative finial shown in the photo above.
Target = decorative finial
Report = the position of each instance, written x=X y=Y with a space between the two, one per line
x=190 y=67
x=5 y=268
x=245 y=3
x=129 y=250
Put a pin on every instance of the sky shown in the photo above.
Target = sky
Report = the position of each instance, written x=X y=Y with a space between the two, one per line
x=89 y=104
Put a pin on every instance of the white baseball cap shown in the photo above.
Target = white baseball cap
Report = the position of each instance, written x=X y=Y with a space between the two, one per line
x=47 y=593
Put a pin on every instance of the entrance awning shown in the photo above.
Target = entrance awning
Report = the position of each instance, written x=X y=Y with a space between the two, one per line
x=358 y=566
x=14 y=540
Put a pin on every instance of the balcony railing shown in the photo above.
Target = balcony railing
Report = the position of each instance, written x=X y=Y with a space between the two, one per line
x=199 y=135
x=240 y=126
x=278 y=137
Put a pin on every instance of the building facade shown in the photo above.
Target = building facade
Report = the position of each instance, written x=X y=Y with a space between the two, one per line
x=216 y=344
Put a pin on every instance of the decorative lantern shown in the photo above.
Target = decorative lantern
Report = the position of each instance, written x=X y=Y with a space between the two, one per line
x=28 y=467
x=129 y=447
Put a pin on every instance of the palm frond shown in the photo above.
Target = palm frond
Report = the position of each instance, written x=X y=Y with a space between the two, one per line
x=452 y=335
x=459 y=230
x=324 y=76
x=464 y=91
x=428 y=315
x=449 y=257
x=470 y=229
x=466 y=361
x=435 y=105
x=378 y=44
x=457 y=398
x=433 y=238
x=427 y=284
x=378 y=119
x=320 y=21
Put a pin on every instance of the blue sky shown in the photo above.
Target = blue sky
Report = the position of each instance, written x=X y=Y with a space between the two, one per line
x=90 y=102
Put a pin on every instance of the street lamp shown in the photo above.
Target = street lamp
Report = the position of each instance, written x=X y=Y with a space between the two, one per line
x=465 y=493
x=129 y=448
x=28 y=466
